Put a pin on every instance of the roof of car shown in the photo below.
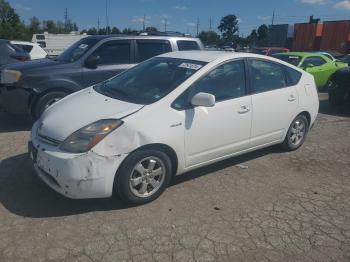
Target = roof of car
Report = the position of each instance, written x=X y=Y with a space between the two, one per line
x=23 y=42
x=101 y=37
x=208 y=56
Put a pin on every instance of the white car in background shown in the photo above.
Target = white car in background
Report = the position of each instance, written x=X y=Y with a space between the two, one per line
x=34 y=49
x=166 y=116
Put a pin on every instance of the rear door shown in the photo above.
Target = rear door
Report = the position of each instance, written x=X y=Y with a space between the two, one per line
x=116 y=56
x=274 y=101
x=148 y=48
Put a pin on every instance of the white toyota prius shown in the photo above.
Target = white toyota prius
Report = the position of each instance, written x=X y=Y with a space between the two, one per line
x=166 y=116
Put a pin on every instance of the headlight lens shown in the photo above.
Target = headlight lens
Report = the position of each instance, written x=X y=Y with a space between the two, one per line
x=10 y=76
x=87 y=137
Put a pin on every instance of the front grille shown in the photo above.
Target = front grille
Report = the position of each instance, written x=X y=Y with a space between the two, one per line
x=49 y=140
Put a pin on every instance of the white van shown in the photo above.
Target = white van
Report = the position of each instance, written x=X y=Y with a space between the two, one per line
x=55 y=44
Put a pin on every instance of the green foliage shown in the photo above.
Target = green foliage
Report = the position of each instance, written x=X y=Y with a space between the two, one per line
x=263 y=35
x=228 y=27
x=151 y=29
x=12 y=28
x=209 y=38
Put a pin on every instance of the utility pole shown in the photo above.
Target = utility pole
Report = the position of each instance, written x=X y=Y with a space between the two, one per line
x=66 y=18
x=197 y=26
x=98 y=24
x=107 y=19
x=144 y=22
x=165 y=23
x=273 y=17
x=210 y=28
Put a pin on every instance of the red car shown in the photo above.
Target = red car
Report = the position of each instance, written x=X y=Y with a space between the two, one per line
x=269 y=50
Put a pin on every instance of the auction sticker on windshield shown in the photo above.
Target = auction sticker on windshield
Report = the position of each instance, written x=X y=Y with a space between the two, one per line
x=190 y=66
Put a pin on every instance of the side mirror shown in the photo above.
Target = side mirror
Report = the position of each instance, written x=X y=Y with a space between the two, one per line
x=92 y=62
x=309 y=65
x=203 y=99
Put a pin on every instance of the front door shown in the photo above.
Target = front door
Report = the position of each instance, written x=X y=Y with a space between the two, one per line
x=116 y=56
x=215 y=132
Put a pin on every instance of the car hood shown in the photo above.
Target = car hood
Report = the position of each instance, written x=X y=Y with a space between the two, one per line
x=34 y=65
x=81 y=109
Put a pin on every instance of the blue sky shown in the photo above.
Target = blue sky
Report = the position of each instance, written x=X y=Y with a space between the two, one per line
x=182 y=15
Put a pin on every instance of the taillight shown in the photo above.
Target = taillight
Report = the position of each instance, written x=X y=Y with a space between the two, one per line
x=20 y=57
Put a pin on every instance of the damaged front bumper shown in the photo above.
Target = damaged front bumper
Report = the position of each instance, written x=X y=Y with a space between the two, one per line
x=77 y=176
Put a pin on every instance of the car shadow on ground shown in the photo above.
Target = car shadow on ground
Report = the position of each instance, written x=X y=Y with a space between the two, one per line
x=24 y=194
x=13 y=123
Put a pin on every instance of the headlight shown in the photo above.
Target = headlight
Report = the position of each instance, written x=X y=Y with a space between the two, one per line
x=87 y=137
x=10 y=76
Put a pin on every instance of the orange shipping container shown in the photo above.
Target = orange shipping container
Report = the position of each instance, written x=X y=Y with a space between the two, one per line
x=307 y=37
x=336 y=36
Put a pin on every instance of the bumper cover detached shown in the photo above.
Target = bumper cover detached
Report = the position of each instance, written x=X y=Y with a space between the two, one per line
x=14 y=99
x=77 y=176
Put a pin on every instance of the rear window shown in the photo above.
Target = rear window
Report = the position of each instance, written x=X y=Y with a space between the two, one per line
x=15 y=48
x=149 y=49
x=293 y=76
x=187 y=45
x=27 y=48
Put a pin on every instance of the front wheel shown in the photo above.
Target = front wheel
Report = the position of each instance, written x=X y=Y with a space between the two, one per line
x=296 y=133
x=143 y=176
x=46 y=101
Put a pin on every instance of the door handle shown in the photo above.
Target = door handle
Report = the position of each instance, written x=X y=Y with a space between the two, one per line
x=291 y=98
x=243 y=110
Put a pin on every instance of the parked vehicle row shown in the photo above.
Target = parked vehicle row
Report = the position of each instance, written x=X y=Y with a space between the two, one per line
x=33 y=86
x=34 y=50
x=320 y=65
x=168 y=115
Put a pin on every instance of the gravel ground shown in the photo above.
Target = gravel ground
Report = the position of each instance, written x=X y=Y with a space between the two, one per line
x=263 y=206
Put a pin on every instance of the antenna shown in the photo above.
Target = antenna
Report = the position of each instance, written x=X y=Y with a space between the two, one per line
x=273 y=17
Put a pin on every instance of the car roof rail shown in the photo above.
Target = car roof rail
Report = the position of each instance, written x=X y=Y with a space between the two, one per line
x=167 y=33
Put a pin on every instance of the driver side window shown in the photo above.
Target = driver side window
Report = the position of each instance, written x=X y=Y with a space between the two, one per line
x=314 y=60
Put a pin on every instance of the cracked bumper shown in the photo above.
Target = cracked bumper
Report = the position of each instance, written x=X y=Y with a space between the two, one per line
x=77 y=176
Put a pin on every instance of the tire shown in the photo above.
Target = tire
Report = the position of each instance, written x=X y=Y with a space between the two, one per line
x=136 y=184
x=296 y=134
x=336 y=98
x=46 y=101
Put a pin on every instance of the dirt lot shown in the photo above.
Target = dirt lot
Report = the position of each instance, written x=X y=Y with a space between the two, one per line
x=283 y=207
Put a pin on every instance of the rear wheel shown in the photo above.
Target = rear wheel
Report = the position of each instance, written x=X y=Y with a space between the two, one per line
x=143 y=176
x=296 y=134
x=46 y=101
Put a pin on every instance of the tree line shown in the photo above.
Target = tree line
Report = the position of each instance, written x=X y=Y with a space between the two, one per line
x=229 y=28
x=12 y=27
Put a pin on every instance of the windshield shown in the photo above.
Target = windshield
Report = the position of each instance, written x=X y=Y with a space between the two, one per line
x=77 y=50
x=149 y=81
x=291 y=59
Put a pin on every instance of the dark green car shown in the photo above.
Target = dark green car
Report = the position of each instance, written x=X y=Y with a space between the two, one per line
x=319 y=65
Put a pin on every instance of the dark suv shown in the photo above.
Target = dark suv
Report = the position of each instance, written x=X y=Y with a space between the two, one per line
x=33 y=86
